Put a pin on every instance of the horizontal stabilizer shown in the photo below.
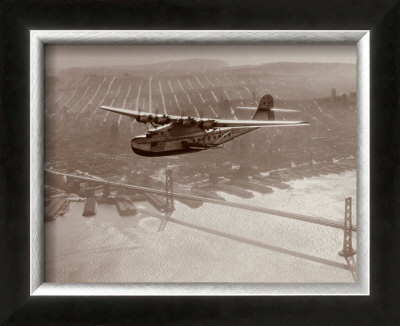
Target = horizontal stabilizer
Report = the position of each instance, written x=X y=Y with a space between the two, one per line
x=247 y=107
x=274 y=109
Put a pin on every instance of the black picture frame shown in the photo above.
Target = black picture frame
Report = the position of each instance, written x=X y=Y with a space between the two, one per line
x=17 y=18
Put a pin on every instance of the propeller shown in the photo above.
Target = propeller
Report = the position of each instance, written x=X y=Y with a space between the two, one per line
x=181 y=119
x=144 y=119
x=201 y=123
x=247 y=107
x=138 y=118
x=154 y=119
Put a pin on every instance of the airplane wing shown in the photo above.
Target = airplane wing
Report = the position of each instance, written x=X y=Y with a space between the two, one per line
x=206 y=123
x=125 y=112
x=143 y=116
x=257 y=123
x=147 y=117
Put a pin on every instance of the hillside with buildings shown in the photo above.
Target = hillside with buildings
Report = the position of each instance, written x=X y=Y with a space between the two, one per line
x=102 y=233
x=81 y=134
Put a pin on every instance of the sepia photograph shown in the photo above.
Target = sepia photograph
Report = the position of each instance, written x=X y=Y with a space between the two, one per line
x=200 y=163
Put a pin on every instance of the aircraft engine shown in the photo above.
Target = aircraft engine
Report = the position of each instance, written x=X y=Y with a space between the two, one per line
x=144 y=118
x=162 y=120
x=188 y=122
x=206 y=124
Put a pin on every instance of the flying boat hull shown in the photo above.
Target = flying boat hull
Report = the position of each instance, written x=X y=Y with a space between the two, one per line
x=150 y=153
x=173 y=145
x=162 y=147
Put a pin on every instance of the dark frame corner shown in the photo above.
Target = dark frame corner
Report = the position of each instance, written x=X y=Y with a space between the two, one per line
x=18 y=17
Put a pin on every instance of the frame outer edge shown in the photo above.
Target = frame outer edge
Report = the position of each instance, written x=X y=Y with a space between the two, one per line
x=40 y=37
x=36 y=163
x=363 y=171
x=199 y=36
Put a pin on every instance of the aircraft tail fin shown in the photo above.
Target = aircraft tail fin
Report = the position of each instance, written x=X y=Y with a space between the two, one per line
x=264 y=110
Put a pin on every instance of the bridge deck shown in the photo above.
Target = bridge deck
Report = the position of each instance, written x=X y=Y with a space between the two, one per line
x=301 y=217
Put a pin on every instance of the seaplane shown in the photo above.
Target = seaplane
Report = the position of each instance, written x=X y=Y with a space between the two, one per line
x=172 y=135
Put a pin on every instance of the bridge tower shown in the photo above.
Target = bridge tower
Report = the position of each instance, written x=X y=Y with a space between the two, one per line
x=348 y=251
x=106 y=190
x=169 y=200
x=347 y=240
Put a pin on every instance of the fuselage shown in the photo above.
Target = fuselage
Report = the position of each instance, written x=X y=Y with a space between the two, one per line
x=176 y=138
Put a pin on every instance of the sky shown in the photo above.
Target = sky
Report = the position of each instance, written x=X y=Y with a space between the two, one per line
x=68 y=56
